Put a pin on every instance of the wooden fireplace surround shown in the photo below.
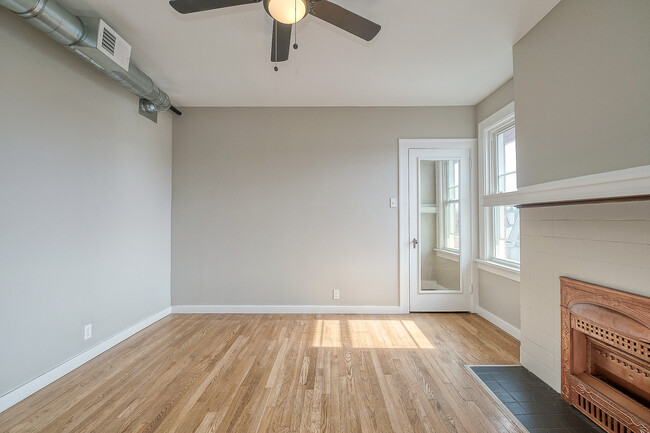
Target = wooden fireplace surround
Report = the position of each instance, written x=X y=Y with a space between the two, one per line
x=606 y=355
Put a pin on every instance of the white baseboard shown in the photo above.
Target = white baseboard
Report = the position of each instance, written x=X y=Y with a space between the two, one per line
x=286 y=309
x=510 y=329
x=18 y=394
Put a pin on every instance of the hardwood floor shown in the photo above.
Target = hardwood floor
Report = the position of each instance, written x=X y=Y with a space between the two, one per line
x=284 y=373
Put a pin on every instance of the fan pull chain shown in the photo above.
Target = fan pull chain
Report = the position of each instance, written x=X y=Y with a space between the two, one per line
x=295 y=24
x=275 y=28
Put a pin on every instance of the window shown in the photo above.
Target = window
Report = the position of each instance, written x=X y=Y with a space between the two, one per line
x=450 y=204
x=506 y=152
x=500 y=232
x=505 y=219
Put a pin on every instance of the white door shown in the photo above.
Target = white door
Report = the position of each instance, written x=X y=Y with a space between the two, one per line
x=439 y=229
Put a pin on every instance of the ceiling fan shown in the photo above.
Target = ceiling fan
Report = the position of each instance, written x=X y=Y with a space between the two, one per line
x=287 y=12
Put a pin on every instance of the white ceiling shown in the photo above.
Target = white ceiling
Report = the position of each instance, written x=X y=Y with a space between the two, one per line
x=429 y=52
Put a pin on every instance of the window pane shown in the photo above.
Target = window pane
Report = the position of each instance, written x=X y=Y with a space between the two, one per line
x=452 y=226
x=452 y=193
x=510 y=152
x=506 y=155
x=453 y=174
x=511 y=182
x=451 y=238
x=506 y=233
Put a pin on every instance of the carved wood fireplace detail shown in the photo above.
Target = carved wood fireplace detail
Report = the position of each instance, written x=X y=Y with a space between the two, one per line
x=606 y=355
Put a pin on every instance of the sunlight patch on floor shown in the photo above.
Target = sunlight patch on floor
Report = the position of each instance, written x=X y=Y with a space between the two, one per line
x=370 y=334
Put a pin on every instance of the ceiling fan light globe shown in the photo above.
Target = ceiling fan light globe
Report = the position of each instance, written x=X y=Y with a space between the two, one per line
x=287 y=11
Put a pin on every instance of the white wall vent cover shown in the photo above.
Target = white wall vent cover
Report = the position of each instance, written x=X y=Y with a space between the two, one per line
x=113 y=46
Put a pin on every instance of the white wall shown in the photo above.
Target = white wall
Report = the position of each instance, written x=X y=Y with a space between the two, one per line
x=279 y=206
x=606 y=244
x=85 y=205
x=582 y=91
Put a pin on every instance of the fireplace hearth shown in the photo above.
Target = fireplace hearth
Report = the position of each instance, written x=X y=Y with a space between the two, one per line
x=606 y=355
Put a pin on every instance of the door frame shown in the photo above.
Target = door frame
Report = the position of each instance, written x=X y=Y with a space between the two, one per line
x=405 y=145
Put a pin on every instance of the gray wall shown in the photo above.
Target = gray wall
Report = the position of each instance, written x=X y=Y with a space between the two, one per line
x=582 y=90
x=283 y=205
x=85 y=193
x=495 y=101
x=498 y=295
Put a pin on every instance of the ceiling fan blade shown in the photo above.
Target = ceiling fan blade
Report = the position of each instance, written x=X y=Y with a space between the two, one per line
x=280 y=50
x=344 y=19
x=190 y=6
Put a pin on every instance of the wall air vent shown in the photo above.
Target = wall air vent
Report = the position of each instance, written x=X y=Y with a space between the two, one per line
x=113 y=46
x=108 y=41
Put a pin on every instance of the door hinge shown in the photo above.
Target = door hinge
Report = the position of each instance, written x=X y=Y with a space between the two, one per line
x=471 y=288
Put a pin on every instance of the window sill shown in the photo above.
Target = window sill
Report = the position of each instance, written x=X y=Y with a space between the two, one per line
x=444 y=254
x=499 y=269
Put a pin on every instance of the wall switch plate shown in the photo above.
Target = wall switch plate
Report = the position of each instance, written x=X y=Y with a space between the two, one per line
x=393 y=202
x=336 y=295
x=88 y=331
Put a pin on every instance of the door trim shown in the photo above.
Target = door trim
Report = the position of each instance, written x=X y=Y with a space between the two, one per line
x=405 y=145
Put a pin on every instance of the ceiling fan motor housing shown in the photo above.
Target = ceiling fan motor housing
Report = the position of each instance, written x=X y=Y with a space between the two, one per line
x=287 y=11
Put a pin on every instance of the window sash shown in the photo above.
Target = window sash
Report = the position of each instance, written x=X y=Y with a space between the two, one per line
x=500 y=161
x=505 y=234
x=500 y=229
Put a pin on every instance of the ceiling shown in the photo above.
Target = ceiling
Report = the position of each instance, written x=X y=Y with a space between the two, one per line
x=429 y=52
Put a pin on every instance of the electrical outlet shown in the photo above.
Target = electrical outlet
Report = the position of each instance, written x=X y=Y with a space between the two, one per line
x=393 y=202
x=336 y=295
x=88 y=331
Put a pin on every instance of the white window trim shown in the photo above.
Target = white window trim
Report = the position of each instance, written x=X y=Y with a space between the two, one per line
x=499 y=269
x=486 y=158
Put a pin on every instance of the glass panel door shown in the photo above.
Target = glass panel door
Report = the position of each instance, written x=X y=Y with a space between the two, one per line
x=439 y=212
x=439 y=230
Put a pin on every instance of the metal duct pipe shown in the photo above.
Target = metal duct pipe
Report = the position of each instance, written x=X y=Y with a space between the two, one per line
x=68 y=29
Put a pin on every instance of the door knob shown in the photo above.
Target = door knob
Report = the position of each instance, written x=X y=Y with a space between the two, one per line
x=415 y=243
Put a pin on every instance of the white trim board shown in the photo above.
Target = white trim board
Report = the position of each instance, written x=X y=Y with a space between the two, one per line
x=499 y=322
x=500 y=270
x=612 y=184
x=40 y=382
x=286 y=309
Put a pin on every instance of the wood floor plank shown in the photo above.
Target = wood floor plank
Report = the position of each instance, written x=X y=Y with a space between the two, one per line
x=283 y=374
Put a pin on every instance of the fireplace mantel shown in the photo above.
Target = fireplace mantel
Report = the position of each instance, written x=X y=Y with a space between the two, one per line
x=621 y=185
